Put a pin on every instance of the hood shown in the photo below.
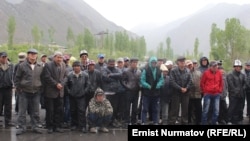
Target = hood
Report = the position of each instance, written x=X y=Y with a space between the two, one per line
x=151 y=59
x=204 y=57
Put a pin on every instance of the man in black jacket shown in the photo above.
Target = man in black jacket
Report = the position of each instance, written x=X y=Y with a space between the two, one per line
x=78 y=84
x=6 y=77
x=28 y=83
x=55 y=77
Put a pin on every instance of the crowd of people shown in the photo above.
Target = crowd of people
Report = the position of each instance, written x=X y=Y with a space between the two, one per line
x=88 y=96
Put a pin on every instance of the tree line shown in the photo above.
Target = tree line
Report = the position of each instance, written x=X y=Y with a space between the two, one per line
x=226 y=44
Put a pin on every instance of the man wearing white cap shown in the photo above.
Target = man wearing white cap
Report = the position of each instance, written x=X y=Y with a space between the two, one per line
x=236 y=83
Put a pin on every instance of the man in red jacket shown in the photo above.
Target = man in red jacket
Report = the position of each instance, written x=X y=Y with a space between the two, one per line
x=212 y=86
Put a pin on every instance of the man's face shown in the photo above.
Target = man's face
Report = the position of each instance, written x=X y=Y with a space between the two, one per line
x=247 y=67
x=101 y=59
x=91 y=67
x=99 y=98
x=3 y=59
x=32 y=56
x=238 y=68
x=76 y=69
x=58 y=59
x=214 y=68
x=84 y=57
x=111 y=64
x=153 y=64
x=43 y=59
x=120 y=64
x=134 y=64
x=126 y=63
x=204 y=62
x=181 y=63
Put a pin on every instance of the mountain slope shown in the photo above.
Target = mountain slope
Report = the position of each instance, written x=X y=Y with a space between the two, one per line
x=59 y=14
x=184 y=31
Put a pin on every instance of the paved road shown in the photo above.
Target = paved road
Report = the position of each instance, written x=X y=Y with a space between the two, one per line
x=115 y=134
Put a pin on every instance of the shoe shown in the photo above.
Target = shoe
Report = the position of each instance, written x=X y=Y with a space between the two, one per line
x=20 y=131
x=73 y=128
x=39 y=125
x=222 y=122
x=104 y=130
x=93 y=130
x=229 y=123
x=9 y=124
x=50 y=130
x=37 y=131
x=58 y=130
x=84 y=130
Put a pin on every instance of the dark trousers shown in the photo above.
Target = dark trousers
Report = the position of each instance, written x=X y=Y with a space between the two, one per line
x=54 y=112
x=194 y=111
x=6 y=103
x=223 y=111
x=131 y=100
x=147 y=103
x=66 y=109
x=235 y=109
x=96 y=120
x=78 y=111
x=248 y=102
x=114 y=103
x=177 y=101
x=28 y=101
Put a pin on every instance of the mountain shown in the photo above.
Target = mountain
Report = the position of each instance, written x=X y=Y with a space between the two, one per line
x=184 y=31
x=59 y=14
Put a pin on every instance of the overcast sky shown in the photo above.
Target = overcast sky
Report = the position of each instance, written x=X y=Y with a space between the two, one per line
x=131 y=13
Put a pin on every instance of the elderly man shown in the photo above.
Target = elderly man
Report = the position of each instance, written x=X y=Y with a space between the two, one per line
x=55 y=76
x=28 y=83
x=181 y=82
x=6 y=74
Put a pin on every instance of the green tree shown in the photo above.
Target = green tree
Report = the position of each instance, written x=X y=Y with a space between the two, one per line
x=169 y=50
x=88 y=40
x=196 y=50
x=11 y=30
x=229 y=44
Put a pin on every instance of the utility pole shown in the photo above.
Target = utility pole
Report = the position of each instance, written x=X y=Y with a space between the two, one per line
x=101 y=35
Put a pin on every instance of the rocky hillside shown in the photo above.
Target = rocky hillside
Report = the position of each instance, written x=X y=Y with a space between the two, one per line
x=58 y=14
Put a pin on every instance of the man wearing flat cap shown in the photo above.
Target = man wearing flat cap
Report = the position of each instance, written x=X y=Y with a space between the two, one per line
x=6 y=77
x=55 y=76
x=181 y=82
x=28 y=83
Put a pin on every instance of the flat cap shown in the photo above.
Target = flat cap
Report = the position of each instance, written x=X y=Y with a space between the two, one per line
x=3 y=54
x=32 y=50
x=181 y=58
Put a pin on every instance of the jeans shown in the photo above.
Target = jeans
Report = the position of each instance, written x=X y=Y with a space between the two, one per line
x=147 y=103
x=95 y=120
x=25 y=100
x=215 y=100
